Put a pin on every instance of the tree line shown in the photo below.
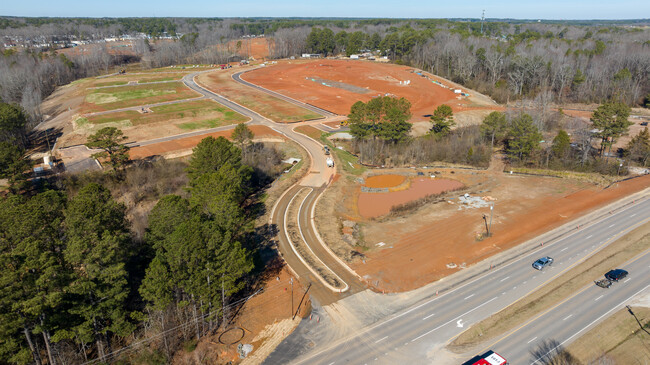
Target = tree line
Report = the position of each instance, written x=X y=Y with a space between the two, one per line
x=76 y=285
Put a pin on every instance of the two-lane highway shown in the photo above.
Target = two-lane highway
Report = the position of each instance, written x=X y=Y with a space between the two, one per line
x=412 y=334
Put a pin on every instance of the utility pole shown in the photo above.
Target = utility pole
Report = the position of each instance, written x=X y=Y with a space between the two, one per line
x=491 y=211
x=291 y=281
x=482 y=20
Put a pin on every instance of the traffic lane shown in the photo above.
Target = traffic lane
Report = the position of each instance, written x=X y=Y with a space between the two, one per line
x=305 y=276
x=305 y=223
x=575 y=315
x=520 y=271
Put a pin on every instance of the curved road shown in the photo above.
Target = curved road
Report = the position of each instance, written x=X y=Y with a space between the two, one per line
x=318 y=177
x=416 y=333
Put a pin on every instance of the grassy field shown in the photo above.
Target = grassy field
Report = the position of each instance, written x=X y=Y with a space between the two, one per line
x=110 y=83
x=565 y=285
x=625 y=342
x=273 y=108
x=191 y=115
x=128 y=96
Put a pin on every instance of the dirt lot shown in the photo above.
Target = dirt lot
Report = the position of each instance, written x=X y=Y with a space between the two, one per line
x=335 y=85
x=183 y=145
x=267 y=105
x=525 y=206
x=262 y=322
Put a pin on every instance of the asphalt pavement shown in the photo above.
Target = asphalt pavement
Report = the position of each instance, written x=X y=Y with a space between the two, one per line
x=413 y=334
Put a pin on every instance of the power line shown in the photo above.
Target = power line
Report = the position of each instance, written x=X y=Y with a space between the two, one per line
x=187 y=323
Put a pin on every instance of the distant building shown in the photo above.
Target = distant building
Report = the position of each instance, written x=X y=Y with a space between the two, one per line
x=312 y=55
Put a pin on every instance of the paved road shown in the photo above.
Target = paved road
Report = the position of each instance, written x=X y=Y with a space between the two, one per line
x=413 y=334
x=237 y=77
x=575 y=316
x=318 y=177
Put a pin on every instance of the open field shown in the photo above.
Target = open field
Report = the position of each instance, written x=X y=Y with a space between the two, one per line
x=98 y=100
x=183 y=145
x=624 y=342
x=335 y=85
x=570 y=282
x=267 y=105
x=187 y=115
x=418 y=238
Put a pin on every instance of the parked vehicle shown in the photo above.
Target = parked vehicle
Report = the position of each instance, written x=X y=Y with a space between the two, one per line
x=616 y=275
x=488 y=358
x=330 y=162
x=542 y=263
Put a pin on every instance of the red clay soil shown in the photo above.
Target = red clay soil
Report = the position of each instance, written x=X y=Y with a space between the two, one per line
x=384 y=181
x=427 y=250
x=181 y=144
x=266 y=308
x=294 y=79
x=377 y=204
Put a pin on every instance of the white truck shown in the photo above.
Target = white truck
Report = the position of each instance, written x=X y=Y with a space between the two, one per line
x=330 y=162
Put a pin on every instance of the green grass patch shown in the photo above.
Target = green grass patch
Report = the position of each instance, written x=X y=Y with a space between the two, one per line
x=110 y=83
x=195 y=114
x=81 y=122
x=103 y=97
x=158 y=79
x=349 y=161
x=582 y=176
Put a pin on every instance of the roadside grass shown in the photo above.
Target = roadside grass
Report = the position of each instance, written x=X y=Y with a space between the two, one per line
x=624 y=343
x=159 y=79
x=129 y=96
x=201 y=114
x=309 y=131
x=110 y=83
x=568 y=283
x=582 y=176
x=348 y=161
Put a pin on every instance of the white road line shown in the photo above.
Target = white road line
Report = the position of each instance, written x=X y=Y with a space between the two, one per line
x=532 y=339
x=429 y=316
x=453 y=320
x=588 y=237
x=504 y=279
x=599 y=297
x=534 y=276
x=567 y=317
x=611 y=226
x=469 y=297
x=331 y=363
x=589 y=325
x=525 y=282
x=381 y=339
x=632 y=215
x=564 y=249
x=514 y=287
x=504 y=293
x=627 y=280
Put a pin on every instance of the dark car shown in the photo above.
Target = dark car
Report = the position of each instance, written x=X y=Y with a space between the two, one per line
x=542 y=263
x=616 y=275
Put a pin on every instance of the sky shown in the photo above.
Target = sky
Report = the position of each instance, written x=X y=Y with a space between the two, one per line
x=517 y=9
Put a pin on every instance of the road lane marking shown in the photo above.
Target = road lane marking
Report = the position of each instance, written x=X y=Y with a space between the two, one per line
x=514 y=287
x=453 y=320
x=628 y=279
x=599 y=297
x=469 y=297
x=525 y=282
x=332 y=363
x=429 y=316
x=588 y=237
x=589 y=325
x=632 y=215
x=504 y=293
x=506 y=278
x=567 y=317
x=564 y=249
x=381 y=339
x=611 y=226
x=532 y=340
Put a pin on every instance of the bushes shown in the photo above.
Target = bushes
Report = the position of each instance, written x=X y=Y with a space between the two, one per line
x=463 y=146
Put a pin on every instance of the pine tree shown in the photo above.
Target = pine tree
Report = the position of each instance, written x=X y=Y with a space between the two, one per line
x=97 y=250
x=524 y=137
